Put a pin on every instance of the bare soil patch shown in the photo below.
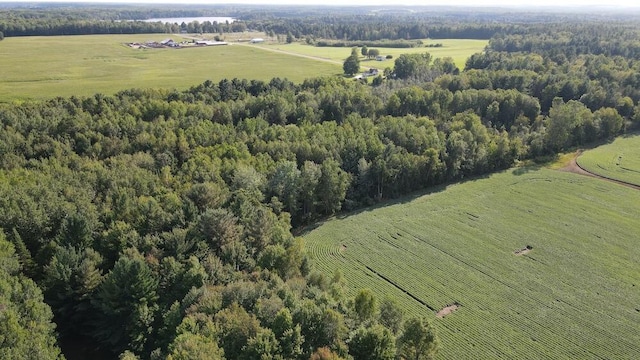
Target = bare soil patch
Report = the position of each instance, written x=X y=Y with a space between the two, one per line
x=447 y=310
x=525 y=250
x=573 y=167
x=343 y=248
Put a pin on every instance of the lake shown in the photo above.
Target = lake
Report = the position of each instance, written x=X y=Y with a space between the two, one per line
x=186 y=20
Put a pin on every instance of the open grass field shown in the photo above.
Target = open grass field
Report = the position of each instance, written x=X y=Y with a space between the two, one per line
x=618 y=160
x=458 y=49
x=45 y=67
x=574 y=295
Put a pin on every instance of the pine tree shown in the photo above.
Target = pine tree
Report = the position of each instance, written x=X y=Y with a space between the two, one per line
x=125 y=304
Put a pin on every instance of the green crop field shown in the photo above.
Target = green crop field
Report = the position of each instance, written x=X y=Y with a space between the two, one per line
x=575 y=295
x=458 y=49
x=45 y=67
x=619 y=160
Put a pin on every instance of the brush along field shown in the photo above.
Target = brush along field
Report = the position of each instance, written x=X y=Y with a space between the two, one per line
x=45 y=67
x=524 y=264
x=458 y=49
x=619 y=160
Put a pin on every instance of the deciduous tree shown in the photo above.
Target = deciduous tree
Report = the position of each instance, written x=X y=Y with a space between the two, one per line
x=373 y=343
x=365 y=305
x=418 y=340
x=412 y=65
x=391 y=315
x=352 y=64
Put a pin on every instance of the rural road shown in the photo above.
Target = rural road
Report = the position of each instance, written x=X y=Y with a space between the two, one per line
x=573 y=167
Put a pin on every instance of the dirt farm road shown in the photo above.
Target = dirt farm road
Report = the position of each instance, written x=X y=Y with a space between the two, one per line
x=573 y=167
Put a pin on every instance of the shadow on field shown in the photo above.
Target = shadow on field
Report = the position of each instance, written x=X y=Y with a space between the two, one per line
x=404 y=199
x=301 y=231
x=631 y=134
x=519 y=171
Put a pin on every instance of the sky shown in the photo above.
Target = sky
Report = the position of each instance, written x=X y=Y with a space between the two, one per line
x=501 y=3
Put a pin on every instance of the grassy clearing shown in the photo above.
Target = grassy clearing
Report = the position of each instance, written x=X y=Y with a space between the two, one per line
x=575 y=295
x=458 y=49
x=561 y=160
x=44 y=67
x=618 y=160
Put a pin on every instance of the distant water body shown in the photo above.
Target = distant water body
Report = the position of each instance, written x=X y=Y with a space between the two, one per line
x=186 y=20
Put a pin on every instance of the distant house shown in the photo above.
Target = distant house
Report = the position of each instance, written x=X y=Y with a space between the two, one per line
x=371 y=72
x=257 y=40
x=210 y=43
x=168 y=42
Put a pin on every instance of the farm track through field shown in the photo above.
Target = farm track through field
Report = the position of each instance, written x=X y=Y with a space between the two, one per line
x=291 y=53
x=277 y=50
x=574 y=167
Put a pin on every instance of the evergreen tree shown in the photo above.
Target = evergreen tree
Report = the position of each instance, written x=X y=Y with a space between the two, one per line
x=124 y=305
x=26 y=330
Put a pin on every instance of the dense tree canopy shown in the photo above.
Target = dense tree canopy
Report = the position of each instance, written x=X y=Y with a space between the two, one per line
x=26 y=330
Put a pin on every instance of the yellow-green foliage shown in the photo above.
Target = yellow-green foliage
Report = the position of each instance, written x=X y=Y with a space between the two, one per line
x=619 y=160
x=44 y=67
x=573 y=296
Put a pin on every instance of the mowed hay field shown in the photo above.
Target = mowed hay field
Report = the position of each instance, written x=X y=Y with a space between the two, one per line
x=458 y=49
x=574 y=295
x=45 y=67
x=618 y=160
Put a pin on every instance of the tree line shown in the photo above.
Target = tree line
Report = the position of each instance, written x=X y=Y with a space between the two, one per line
x=55 y=26
x=325 y=25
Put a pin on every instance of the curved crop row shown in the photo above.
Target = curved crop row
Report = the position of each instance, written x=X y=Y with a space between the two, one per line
x=619 y=160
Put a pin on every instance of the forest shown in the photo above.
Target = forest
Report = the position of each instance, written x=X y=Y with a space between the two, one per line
x=352 y=24
x=156 y=223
